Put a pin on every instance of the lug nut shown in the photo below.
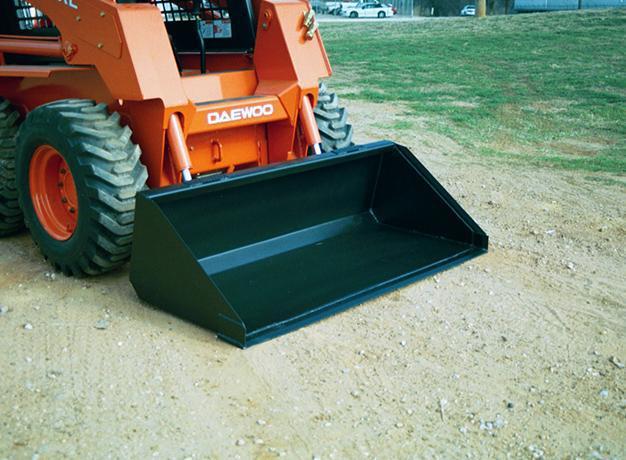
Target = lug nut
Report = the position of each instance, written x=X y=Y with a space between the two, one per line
x=63 y=199
x=62 y=170
x=72 y=210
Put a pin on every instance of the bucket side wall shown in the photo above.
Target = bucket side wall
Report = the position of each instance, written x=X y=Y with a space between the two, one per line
x=408 y=197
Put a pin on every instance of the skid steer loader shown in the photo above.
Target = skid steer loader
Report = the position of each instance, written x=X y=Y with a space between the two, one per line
x=196 y=135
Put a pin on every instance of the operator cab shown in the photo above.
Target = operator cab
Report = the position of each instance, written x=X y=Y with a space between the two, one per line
x=217 y=25
x=207 y=26
x=18 y=17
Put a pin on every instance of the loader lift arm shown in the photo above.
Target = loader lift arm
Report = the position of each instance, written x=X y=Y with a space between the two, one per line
x=115 y=38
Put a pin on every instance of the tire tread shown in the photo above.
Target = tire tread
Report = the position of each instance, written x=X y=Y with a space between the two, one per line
x=109 y=163
x=11 y=219
x=332 y=121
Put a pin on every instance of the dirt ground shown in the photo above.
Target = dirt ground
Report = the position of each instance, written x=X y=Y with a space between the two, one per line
x=518 y=353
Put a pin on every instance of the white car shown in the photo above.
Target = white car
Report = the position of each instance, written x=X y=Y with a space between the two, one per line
x=368 y=10
x=468 y=10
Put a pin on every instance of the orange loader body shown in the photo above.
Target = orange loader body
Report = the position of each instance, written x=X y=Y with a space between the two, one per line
x=245 y=111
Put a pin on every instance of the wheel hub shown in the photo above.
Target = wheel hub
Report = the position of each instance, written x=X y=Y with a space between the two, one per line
x=53 y=193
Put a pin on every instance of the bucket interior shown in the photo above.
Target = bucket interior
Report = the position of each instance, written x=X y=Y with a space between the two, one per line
x=288 y=244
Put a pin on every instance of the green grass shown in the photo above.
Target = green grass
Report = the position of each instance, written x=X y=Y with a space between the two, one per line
x=543 y=88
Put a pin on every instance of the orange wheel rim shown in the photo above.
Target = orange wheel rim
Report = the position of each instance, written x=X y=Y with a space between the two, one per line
x=53 y=193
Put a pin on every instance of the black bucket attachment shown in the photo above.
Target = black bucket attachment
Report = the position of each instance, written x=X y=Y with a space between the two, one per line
x=255 y=254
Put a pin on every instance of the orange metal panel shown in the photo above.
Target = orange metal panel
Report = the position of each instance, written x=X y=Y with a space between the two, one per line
x=146 y=119
x=28 y=87
x=150 y=55
x=237 y=113
x=98 y=28
x=218 y=86
x=287 y=91
x=37 y=71
x=228 y=150
x=127 y=43
x=283 y=51
x=216 y=62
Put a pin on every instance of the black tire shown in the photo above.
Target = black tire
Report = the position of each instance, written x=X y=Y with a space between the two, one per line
x=11 y=220
x=381 y=14
x=354 y=14
x=332 y=121
x=107 y=174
